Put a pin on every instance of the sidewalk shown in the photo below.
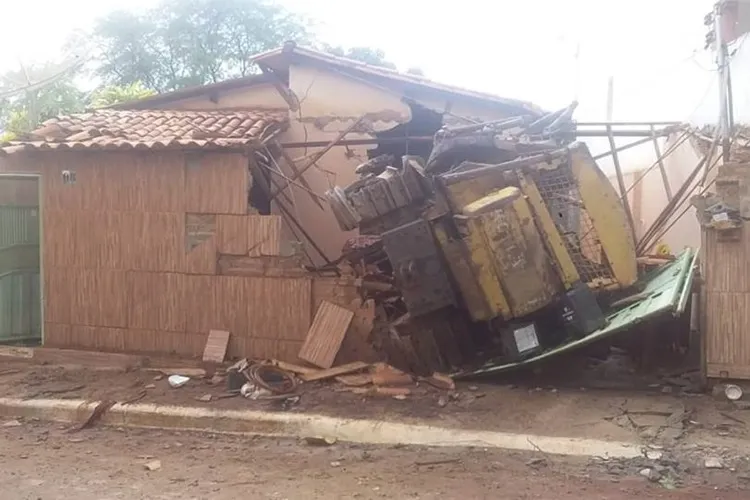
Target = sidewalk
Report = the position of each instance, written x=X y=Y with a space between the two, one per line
x=630 y=419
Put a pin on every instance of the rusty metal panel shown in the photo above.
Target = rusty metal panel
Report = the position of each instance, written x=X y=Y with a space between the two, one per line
x=418 y=267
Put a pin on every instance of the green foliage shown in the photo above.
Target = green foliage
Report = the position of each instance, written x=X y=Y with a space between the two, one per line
x=182 y=43
x=21 y=112
x=114 y=94
x=368 y=55
x=175 y=44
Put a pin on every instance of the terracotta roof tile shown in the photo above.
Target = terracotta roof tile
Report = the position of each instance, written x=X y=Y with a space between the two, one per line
x=157 y=129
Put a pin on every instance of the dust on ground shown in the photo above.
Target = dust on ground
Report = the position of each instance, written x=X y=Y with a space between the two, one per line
x=646 y=416
x=42 y=461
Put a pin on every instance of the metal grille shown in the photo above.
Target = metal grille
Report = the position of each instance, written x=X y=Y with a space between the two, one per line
x=562 y=197
x=19 y=226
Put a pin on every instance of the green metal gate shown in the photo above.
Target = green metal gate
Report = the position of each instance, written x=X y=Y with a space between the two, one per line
x=20 y=291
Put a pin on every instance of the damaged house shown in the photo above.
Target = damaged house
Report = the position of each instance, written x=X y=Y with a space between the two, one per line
x=329 y=211
x=168 y=217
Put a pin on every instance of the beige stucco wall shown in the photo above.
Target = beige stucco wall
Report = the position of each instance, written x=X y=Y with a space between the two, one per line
x=257 y=96
x=329 y=103
x=648 y=198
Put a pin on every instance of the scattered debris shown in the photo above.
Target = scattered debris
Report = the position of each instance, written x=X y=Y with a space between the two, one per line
x=400 y=397
x=290 y=367
x=428 y=463
x=177 y=381
x=335 y=463
x=153 y=465
x=158 y=376
x=326 y=334
x=654 y=454
x=138 y=397
x=206 y=398
x=9 y=372
x=320 y=441
x=392 y=391
x=271 y=378
x=386 y=375
x=216 y=346
x=355 y=380
x=252 y=391
x=150 y=386
x=474 y=388
x=440 y=381
x=12 y=423
x=217 y=380
x=650 y=474
x=96 y=415
x=334 y=372
x=442 y=402
x=184 y=372
x=537 y=462
x=732 y=418
x=64 y=389
x=733 y=392
x=713 y=463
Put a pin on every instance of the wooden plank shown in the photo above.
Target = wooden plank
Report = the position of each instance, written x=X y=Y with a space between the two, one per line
x=326 y=334
x=291 y=367
x=216 y=346
x=334 y=372
x=355 y=380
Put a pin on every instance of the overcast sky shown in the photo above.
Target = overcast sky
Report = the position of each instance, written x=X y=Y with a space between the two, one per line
x=523 y=49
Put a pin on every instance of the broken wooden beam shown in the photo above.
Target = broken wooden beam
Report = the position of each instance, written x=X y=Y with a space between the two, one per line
x=317 y=156
x=334 y=372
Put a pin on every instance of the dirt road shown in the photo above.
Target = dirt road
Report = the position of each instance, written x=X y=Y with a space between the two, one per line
x=43 y=461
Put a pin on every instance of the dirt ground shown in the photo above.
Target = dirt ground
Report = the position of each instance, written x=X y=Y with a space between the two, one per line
x=41 y=461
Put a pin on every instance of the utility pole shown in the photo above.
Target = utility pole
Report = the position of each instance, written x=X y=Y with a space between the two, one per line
x=717 y=37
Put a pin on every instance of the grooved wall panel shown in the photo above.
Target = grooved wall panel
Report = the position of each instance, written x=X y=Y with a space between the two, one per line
x=326 y=334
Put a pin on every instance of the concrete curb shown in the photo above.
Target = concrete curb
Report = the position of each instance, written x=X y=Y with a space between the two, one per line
x=305 y=425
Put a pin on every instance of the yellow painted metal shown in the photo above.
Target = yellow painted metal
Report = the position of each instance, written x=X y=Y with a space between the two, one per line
x=562 y=261
x=456 y=254
x=465 y=192
x=505 y=244
x=607 y=215
x=483 y=270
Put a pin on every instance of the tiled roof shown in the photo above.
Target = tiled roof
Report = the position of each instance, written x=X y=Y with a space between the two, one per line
x=108 y=129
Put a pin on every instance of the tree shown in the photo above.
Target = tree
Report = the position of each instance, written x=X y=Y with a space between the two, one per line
x=183 y=43
x=368 y=55
x=113 y=94
x=34 y=94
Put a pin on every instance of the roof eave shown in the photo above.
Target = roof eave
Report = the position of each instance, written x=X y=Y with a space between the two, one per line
x=190 y=92
x=290 y=53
